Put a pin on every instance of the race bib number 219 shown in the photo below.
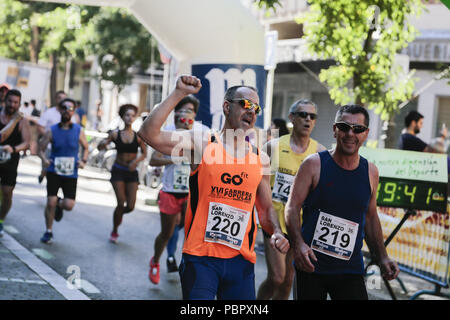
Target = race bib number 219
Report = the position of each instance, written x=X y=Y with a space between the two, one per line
x=335 y=236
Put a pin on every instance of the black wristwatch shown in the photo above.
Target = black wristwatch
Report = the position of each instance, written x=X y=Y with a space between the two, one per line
x=14 y=149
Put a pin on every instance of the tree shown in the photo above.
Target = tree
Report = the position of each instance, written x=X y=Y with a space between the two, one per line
x=120 y=43
x=62 y=34
x=363 y=38
x=267 y=4
x=67 y=34
x=40 y=31
x=19 y=31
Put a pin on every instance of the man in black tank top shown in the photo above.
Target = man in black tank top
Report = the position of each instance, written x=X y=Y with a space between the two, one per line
x=323 y=264
x=18 y=140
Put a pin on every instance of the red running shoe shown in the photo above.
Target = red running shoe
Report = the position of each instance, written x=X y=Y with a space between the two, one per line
x=114 y=237
x=153 y=275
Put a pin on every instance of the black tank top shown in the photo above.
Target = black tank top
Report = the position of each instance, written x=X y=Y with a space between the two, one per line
x=126 y=147
x=13 y=140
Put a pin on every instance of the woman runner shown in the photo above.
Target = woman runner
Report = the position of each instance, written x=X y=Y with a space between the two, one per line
x=124 y=176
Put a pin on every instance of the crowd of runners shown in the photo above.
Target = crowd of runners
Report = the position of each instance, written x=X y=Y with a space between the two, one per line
x=314 y=206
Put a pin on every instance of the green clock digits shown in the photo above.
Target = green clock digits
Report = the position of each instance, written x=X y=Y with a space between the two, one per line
x=411 y=194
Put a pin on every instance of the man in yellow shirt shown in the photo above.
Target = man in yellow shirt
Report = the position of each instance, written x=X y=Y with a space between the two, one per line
x=287 y=153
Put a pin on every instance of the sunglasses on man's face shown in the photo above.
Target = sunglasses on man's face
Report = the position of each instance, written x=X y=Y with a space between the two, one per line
x=184 y=120
x=65 y=107
x=304 y=115
x=248 y=105
x=345 y=127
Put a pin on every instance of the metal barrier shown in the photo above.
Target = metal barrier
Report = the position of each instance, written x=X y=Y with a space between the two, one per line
x=419 y=242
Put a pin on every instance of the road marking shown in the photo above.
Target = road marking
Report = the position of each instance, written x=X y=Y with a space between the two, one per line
x=88 y=287
x=22 y=281
x=44 y=254
x=42 y=270
x=11 y=229
x=29 y=201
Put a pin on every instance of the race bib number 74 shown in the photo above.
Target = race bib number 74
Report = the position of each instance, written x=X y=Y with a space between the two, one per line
x=335 y=236
x=282 y=187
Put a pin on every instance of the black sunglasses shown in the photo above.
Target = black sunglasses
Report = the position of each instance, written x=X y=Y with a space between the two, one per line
x=65 y=107
x=345 y=127
x=304 y=115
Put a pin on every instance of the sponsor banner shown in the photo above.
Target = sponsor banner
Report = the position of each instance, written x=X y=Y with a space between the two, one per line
x=422 y=244
x=409 y=179
x=216 y=79
x=408 y=165
x=417 y=181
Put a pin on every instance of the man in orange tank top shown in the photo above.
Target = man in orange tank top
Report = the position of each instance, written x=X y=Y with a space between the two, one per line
x=229 y=177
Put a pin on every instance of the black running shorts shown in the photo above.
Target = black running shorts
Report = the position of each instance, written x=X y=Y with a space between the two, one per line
x=68 y=185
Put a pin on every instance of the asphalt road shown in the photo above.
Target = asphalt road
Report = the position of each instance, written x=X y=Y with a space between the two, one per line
x=107 y=271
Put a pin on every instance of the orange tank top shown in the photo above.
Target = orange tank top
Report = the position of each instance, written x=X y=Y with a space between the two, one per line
x=220 y=217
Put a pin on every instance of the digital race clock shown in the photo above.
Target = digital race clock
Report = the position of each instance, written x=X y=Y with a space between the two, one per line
x=412 y=194
x=410 y=179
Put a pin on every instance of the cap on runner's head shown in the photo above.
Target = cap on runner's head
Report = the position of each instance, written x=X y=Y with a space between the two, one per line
x=7 y=86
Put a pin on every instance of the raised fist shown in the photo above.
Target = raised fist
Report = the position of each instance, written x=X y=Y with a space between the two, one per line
x=189 y=84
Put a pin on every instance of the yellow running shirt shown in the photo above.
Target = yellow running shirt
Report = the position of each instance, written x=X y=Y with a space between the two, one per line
x=285 y=164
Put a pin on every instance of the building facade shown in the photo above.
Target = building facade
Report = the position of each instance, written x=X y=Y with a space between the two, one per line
x=296 y=74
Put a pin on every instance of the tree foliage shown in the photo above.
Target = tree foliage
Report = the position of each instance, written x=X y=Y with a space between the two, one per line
x=17 y=20
x=363 y=37
x=267 y=4
x=120 y=42
x=49 y=32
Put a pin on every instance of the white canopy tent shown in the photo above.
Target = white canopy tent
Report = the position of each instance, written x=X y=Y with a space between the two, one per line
x=221 y=34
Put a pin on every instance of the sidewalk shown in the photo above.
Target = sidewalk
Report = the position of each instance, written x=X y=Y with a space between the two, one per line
x=24 y=277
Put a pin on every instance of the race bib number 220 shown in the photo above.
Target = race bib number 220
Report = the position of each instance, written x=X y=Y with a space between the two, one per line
x=226 y=225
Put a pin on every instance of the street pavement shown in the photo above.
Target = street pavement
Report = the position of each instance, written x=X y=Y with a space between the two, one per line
x=82 y=265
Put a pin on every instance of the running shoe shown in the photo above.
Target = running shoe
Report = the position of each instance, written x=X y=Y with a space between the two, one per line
x=1 y=230
x=153 y=275
x=171 y=264
x=47 y=237
x=114 y=237
x=58 y=211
